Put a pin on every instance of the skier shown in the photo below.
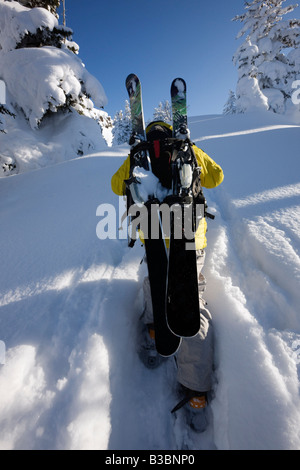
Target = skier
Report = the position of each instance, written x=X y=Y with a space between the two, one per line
x=195 y=356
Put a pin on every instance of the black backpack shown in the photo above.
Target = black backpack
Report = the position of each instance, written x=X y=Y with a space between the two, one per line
x=162 y=147
x=159 y=138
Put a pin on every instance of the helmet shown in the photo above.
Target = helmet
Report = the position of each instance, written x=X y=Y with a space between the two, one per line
x=158 y=130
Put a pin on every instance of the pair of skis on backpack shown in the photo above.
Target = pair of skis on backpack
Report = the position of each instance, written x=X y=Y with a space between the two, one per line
x=173 y=272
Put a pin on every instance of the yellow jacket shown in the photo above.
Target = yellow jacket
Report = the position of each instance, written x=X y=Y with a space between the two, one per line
x=211 y=176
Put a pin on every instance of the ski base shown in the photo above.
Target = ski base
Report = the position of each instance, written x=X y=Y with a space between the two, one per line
x=166 y=342
x=182 y=306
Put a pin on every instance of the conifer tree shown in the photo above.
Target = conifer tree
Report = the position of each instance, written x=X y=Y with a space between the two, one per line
x=122 y=126
x=117 y=131
x=268 y=59
x=44 y=36
x=50 y=5
x=163 y=112
x=46 y=82
x=64 y=84
x=230 y=105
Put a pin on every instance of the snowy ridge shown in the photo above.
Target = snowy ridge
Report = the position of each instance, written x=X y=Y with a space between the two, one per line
x=245 y=132
x=70 y=303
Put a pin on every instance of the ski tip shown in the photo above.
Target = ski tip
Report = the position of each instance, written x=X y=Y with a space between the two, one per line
x=185 y=330
x=132 y=84
x=169 y=352
x=178 y=86
x=132 y=77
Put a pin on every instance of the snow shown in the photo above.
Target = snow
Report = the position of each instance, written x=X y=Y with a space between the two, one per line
x=148 y=186
x=250 y=97
x=16 y=20
x=70 y=302
x=40 y=81
x=57 y=140
x=49 y=76
x=268 y=59
x=254 y=266
x=71 y=289
x=179 y=84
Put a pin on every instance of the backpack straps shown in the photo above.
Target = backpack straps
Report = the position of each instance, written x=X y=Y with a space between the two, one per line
x=140 y=156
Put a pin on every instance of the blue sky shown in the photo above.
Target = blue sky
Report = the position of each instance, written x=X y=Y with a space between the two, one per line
x=159 y=40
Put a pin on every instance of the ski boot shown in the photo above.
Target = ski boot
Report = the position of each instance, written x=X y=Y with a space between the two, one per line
x=194 y=405
x=147 y=350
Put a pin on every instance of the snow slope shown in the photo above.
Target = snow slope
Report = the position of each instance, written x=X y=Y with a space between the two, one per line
x=70 y=303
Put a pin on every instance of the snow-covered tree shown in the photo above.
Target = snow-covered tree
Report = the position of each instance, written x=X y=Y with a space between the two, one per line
x=44 y=76
x=268 y=59
x=117 y=131
x=7 y=164
x=163 y=112
x=122 y=126
x=55 y=77
x=44 y=35
x=3 y=111
x=50 y=5
x=230 y=105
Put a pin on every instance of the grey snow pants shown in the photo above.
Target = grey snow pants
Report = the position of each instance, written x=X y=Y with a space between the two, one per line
x=195 y=355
